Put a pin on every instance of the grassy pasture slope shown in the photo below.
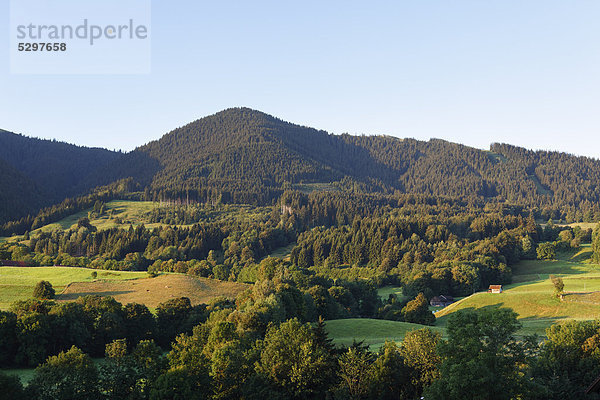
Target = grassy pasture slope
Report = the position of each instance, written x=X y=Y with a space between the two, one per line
x=153 y=291
x=130 y=211
x=531 y=294
x=135 y=213
x=126 y=287
x=374 y=332
x=17 y=283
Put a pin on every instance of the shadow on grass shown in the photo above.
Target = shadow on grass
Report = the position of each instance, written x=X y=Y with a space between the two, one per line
x=579 y=257
x=118 y=210
x=549 y=267
x=75 y=296
x=525 y=283
x=529 y=325
x=546 y=320
x=529 y=272
x=538 y=326
x=443 y=320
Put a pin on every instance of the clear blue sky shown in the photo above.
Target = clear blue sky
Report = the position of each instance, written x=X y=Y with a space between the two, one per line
x=474 y=72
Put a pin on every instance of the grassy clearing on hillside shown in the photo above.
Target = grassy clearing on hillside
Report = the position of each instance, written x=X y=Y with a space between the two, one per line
x=532 y=293
x=130 y=212
x=153 y=291
x=283 y=252
x=541 y=189
x=496 y=156
x=385 y=292
x=557 y=222
x=136 y=213
x=583 y=225
x=373 y=332
x=17 y=283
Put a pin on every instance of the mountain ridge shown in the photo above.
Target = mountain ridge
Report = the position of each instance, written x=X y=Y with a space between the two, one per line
x=247 y=156
x=45 y=171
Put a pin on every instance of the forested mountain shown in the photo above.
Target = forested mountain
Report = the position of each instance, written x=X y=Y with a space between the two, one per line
x=18 y=194
x=245 y=156
x=37 y=172
x=242 y=155
x=242 y=149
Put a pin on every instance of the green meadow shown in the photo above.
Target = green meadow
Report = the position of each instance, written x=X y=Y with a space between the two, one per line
x=129 y=212
x=17 y=283
x=374 y=332
x=531 y=295
x=384 y=292
x=137 y=213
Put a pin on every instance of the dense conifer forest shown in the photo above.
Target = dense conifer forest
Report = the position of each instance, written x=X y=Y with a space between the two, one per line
x=244 y=156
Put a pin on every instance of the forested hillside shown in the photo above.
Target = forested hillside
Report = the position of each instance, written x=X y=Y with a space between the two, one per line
x=244 y=156
x=37 y=172
x=18 y=194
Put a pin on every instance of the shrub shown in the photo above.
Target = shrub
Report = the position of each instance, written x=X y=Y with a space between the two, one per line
x=43 y=290
x=559 y=285
x=546 y=251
